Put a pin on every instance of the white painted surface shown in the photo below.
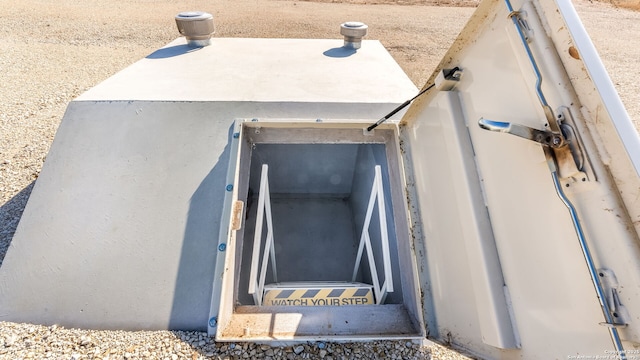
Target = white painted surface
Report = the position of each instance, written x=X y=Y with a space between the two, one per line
x=459 y=223
x=555 y=309
x=262 y=70
x=119 y=230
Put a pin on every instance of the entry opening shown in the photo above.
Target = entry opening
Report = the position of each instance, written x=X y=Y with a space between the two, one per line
x=324 y=247
x=327 y=292
x=317 y=222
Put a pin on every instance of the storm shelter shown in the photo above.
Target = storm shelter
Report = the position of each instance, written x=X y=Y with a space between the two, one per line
x=321 y=241
x=229 y=188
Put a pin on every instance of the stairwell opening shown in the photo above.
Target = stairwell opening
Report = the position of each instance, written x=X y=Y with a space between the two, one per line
x=324 y=245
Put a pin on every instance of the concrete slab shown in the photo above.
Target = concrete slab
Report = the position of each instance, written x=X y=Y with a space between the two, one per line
x=298 y=70
x=121 y=229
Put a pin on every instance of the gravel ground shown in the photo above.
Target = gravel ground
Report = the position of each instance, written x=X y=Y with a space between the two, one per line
x=52 y=51
x=24 y=341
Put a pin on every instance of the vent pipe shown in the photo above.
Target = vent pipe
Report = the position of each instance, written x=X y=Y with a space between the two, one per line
x=353 y=32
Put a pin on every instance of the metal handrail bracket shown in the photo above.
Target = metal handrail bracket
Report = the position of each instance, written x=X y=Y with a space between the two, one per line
x=256 y=287
x=377 y=193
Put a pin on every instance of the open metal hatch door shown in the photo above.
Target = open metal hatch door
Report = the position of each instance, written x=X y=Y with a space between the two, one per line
x=522 y=176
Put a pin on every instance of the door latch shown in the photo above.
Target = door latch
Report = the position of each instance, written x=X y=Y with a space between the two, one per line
x=546 y=138
x=567 y=153
x=619 y=313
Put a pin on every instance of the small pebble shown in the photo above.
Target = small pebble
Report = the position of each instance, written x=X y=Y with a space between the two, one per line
x=85 y=340
x=269 y=352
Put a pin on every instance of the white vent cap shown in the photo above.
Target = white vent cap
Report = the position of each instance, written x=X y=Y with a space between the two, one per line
x=196 y=26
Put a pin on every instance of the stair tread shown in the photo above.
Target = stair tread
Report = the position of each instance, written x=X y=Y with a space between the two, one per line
x=318 y=293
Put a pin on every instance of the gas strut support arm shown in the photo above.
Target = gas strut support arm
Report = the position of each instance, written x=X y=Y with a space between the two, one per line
x=447 y=76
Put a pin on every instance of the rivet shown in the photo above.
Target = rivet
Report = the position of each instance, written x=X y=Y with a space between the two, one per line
x=222 y=247
x=229 y=187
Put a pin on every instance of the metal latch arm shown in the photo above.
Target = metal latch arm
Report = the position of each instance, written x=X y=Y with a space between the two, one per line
x=547 y=138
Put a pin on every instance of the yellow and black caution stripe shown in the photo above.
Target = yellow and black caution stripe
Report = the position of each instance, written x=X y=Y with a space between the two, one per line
x=318 y=295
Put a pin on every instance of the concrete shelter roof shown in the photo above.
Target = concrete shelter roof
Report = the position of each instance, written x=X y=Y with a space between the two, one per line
x=262 y=70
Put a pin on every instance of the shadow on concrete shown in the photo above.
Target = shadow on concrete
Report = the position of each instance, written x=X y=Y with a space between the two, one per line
x=340 y=52
x=10 y=214
x=194 y=281
x=172 y=51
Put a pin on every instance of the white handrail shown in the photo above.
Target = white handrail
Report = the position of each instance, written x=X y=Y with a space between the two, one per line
x=264 y=208
x=377 y=193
